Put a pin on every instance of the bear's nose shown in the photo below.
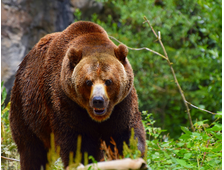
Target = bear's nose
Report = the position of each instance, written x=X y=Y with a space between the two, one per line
x=98 y=102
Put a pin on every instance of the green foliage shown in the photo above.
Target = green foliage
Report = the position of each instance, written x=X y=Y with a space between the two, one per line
x=74 y=163
x=53 y=156
x=191 y=33
x=54 y=160
x=78 y=14
x=201 y=149
x=8 y=147
x=131 y=151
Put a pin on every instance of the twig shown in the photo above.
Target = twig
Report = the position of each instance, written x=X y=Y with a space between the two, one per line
x=10 y=159
x=173 y=72
x=143 y=48
x=200 y=108
x=159 y=146
x=205 y=152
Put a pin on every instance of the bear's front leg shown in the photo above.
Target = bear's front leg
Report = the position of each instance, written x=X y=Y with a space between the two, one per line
x=125 y=137
x=89 y=144
x=33 y=155
x=140 y=135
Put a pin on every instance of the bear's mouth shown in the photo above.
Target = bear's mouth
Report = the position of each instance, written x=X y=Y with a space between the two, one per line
x=99 y=111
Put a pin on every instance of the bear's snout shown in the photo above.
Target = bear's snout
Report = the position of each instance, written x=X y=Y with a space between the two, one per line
x=99 y=105
x=98 y=102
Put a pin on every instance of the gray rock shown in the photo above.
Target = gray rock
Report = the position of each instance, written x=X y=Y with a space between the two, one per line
x=24 y=22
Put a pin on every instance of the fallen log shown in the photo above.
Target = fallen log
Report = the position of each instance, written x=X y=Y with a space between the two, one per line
x=122 y=164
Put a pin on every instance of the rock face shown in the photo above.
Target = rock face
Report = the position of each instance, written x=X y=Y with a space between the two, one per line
x=24 y=22
x=87 y=7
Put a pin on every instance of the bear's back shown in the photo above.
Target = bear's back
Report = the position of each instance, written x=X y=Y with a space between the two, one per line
x=37 y=79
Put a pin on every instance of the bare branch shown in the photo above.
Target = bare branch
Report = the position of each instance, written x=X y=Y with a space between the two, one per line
x=200 y=108
x=10 y=159
x=173 y=72
x=205 y=153
x=137 y=49
x=146 y=20
x=159 y=35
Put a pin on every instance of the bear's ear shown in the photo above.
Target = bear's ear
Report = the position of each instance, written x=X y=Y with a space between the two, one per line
x=121 y=52
x=74 y=55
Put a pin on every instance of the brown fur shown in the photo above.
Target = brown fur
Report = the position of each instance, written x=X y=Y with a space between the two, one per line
x=50 y=94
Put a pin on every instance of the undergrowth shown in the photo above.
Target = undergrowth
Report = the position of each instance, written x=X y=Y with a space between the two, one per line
x=8 y=147
x=201 y=149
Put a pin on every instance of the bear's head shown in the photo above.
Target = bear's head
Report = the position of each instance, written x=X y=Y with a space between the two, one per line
x=97 y=80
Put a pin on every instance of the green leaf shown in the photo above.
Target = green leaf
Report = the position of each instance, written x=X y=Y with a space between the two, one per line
x=185 y=136
x=196 y=135
x=218 y=115
x=218 y=135
x=187 y=155
x=216 y=127
x=180 y=161
x=217 y=147
x=168 y=161
x=180 y=144
x=6 y=109
x=190 y=144
x=155 y=155
x=166 y=155
x=90 y=167
x=2 y=83
x=166 y=144
x=200 y=123
x=4 y=94
x=186 y=130
x=93 y=159
x=176 y=151
x=183 y=163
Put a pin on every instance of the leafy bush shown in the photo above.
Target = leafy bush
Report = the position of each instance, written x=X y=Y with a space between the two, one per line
x=191 y=33
x=8 y=147
x=201 y=149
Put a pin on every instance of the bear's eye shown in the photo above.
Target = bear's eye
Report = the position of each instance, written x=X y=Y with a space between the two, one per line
x=108 y=82
x=89 y=83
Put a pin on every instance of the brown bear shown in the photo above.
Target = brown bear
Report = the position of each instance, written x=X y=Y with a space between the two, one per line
x=75 y=82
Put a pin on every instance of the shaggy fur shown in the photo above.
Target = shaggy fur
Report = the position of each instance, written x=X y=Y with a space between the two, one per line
x=50 y=94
